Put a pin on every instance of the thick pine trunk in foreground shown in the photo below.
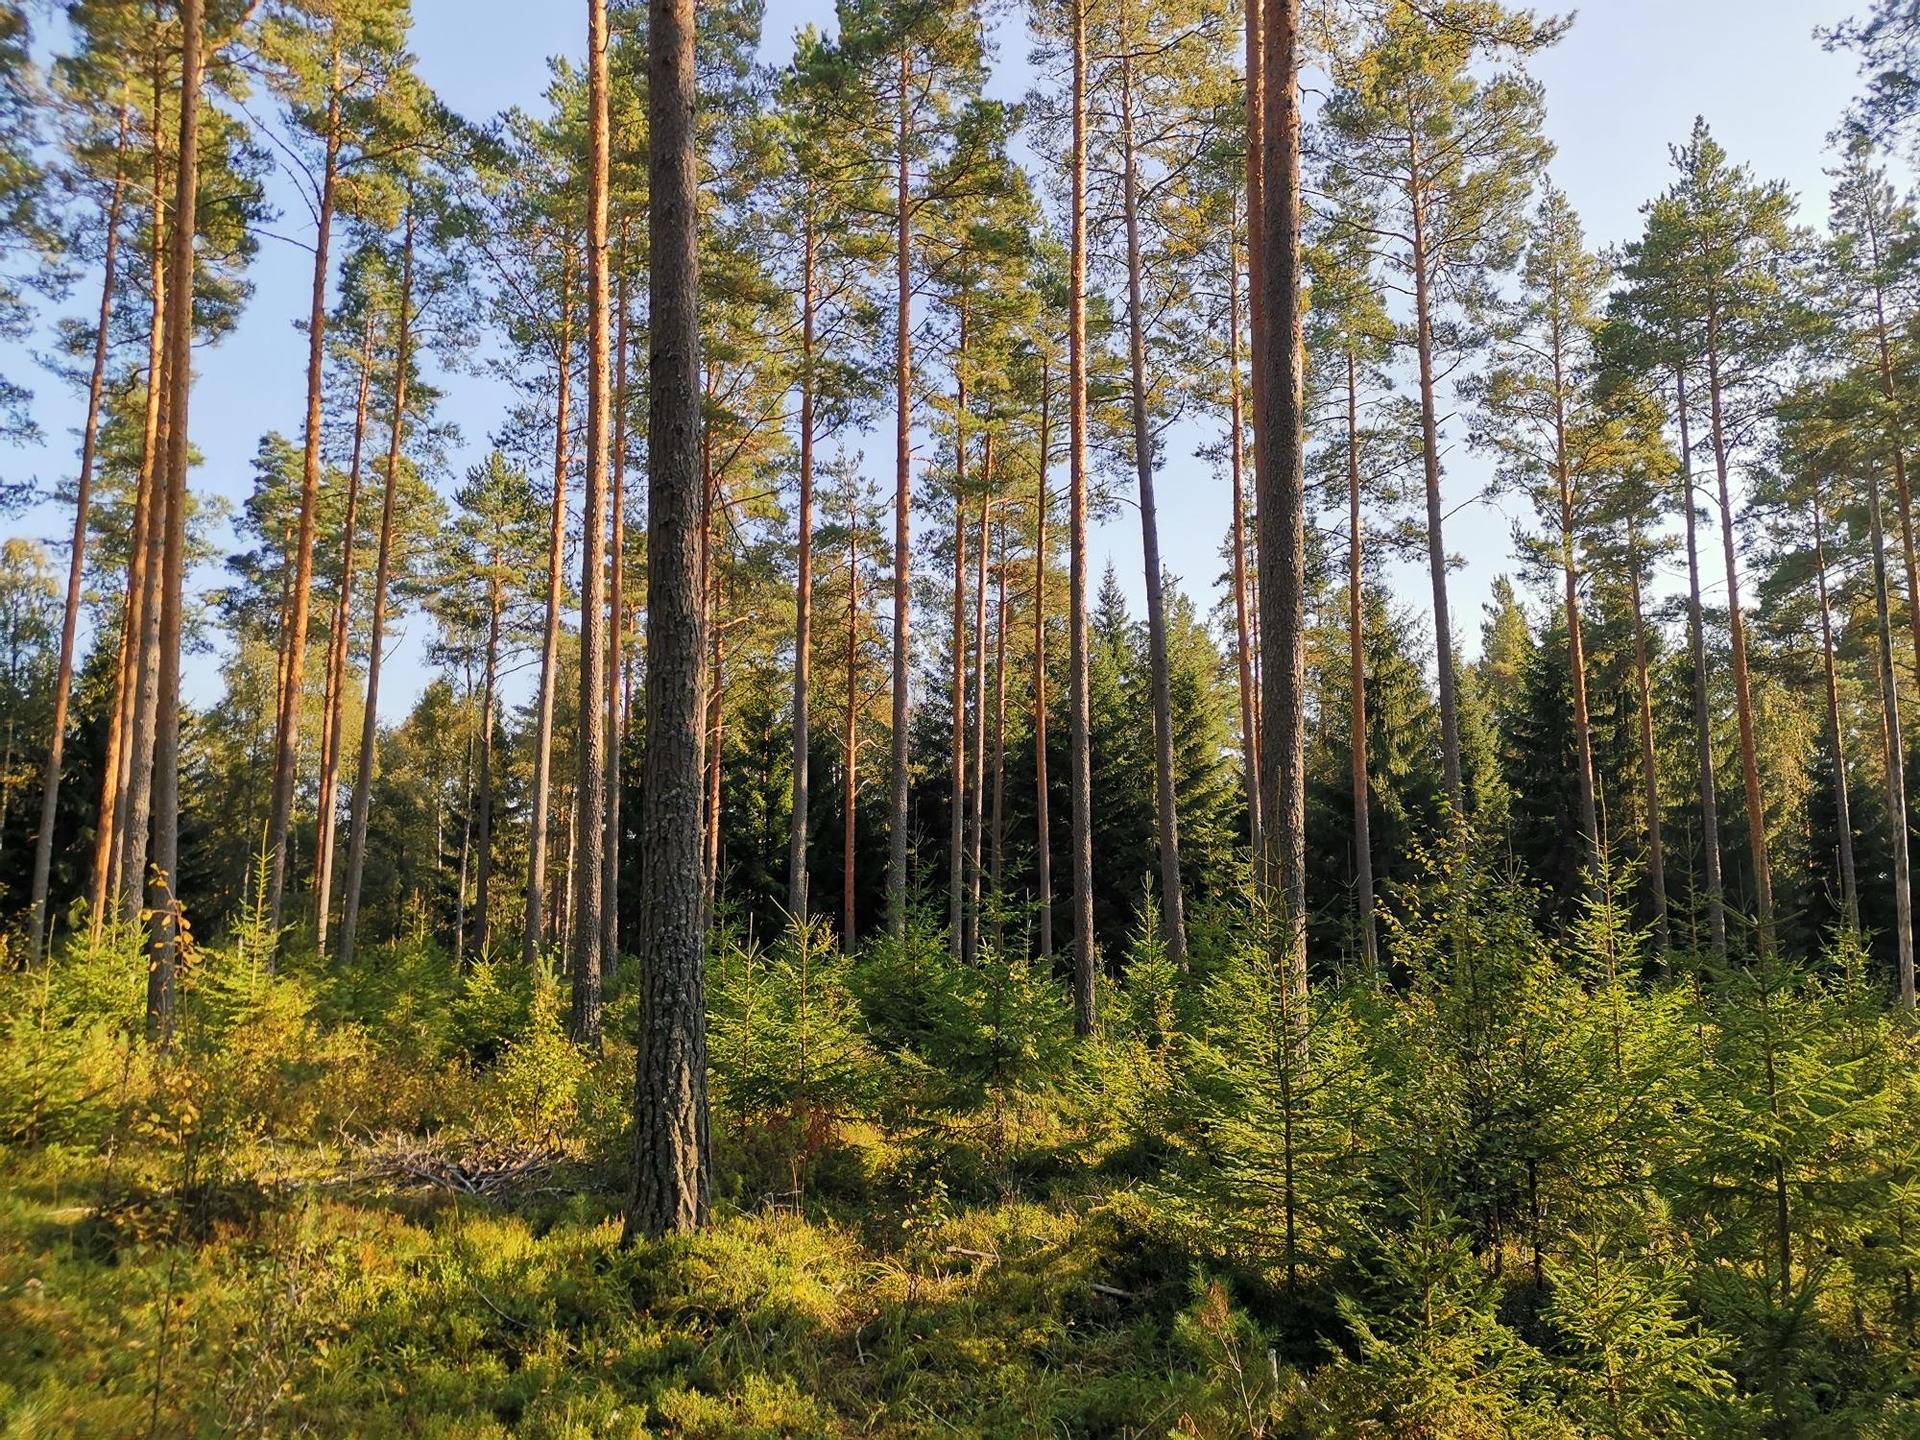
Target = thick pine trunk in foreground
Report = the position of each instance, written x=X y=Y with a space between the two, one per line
x=76 y=562
x=671 y=1183
x=1281 y=501
x=590 y=785
x=362 y=799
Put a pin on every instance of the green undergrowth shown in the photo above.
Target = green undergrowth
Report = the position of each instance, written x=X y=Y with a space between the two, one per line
x=1523 y=1186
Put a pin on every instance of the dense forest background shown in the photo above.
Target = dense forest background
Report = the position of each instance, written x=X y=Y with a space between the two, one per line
x=1050 y=1013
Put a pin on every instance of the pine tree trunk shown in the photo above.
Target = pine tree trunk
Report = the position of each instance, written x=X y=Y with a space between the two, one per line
x=1042 y=797
x=286 y=747
x=1742 y=688
x=110 y=840
x=166 y=931
x=803 y=596
x=1430 y=464
x=534 y=932
x=671 y=1140
x=590 y=787
x=716 y=727
x=997 y=821
x=1242 y=627
x=957 y=752
x=1649 y=759
x=1173 y=912
x=1702 y=712
x=1896 y=761
x=850 y=752
x=1085 y=1013
x=136 y=812
x=616 y=637
x=902 y=516
x=977 y=807
x=1357 y=687
x=1570 y=569
x=1281 y=504
x=76 y=561
x=1842 y=806
x=362 y=799
x=483 y=883
x=339 y=645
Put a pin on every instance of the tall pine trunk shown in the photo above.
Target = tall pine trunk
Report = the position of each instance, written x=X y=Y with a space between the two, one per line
x=1085 y=1013
x=1173 y=911
x=1430 y=467
x=1842 y=805
x=1649 y=757
x=483 y=883
x=1042 y=796
x=1702 y=711
x=850 y=754
x=671 y=1184
x=1896 y=758
x=1242 y=626
x=1357 y=687
x=616 y=635
x=1281 y=503
x=1570 y=570
x=1742 y=686
x=362 y=800
x=76 y=560
x=803 y=594
x=957 y=753
x=534 y=931
x=590 y=786
x=168 y=919
x=902 y=515
x=977 y=803
x=339 y=646
x=286 y=746
x=996 y=824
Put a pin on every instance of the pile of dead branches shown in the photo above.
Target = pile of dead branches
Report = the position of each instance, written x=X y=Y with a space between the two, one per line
x=467 y=1167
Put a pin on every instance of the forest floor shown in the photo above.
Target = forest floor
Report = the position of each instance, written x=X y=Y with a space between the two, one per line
x=312 y=1221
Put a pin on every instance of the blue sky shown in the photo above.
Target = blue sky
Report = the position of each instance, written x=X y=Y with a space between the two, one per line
x=1625 y=84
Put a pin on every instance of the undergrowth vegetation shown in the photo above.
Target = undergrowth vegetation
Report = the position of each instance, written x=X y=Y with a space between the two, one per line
x=1522 y=1185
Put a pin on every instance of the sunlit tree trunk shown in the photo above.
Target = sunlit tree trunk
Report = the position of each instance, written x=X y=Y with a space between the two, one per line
x=1085 y=1013
x=166 y=931
x=483 y=883
x=1242 y=627
x=590 y=787
x=537 y=819
x=1896 y=758
x=333 y=718
x=1042 y=796
x=1357 y=686
x=361 y=803
x=1649 y=757
x=1702 y=711
x=957 y=751
x=1836 y=740
x=1282 y=501
x=616 y=637
x=850 y=750
x=1173 y=911
x=1742 y=686
x=803 y=593
x=976 y=811
x=76 y=560
x=996 y=825
x=286 y=748
x=903 y=514
x=671 y=1141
